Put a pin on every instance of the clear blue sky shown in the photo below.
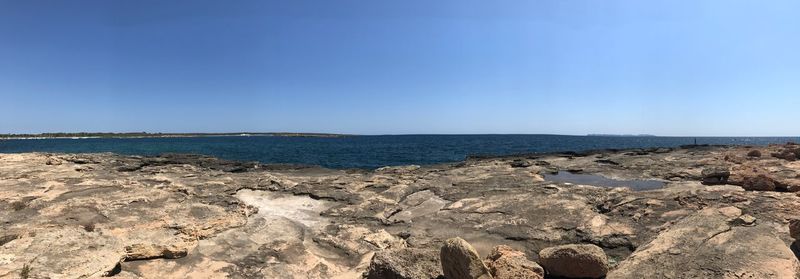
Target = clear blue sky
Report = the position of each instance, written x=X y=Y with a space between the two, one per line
x=678 y=67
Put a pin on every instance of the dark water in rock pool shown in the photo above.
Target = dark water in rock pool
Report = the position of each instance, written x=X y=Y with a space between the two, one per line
x=598 y=180
x=362 y=151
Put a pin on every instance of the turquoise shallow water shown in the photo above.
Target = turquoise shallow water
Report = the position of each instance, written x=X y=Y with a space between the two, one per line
x=363 y=151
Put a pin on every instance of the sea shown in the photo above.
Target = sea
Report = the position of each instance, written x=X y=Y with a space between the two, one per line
x=365 y=152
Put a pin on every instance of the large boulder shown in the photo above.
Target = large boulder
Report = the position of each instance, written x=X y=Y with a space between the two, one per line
x=761 y=182
x=789 y=153
x=405 y=263
x=461 y=261
x=574 y=261
x=506 y=263
x=753 y=178
x=707 y=244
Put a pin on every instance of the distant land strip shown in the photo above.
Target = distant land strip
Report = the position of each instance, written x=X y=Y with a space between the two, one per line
x=620 y=135
x=161 y=135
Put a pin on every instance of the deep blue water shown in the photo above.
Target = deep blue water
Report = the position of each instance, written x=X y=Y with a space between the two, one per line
x=363 y=151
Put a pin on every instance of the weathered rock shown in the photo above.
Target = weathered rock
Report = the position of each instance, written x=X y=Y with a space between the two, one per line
x=744 y=220
x=715 y=175
x=418 y=204
x=243 y=220
x=574 y=261
x=397 y=169
x=607 y=161
x=759 y=182
x=142 y=251
x=705 y=245
x=506 y=263
x=406 y=263
x=794 y=229
x=789 y=185
x=61 y=253
x=520 y=163
x=461 y=261
x=753 y=178
x=754 y=154
x=53 y=162
x=789 y=153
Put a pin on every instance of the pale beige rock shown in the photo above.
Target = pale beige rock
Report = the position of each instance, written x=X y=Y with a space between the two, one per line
x=505 y=262
x=730 y=211
x=574 y=261
x=461 y=261
x=244 y=220
x=62 y=252
x=711 y=248
x=142 y=251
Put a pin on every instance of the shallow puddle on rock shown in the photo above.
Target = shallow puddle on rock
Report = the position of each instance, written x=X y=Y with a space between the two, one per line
x=301 y=209
x=597 y=180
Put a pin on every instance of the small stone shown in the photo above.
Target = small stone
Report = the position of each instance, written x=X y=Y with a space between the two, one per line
x=654 y=203
x=574 y=261
x=461 y=261
x=744 y=220
x=730 y=211
x=754 y=154
x=520 y=163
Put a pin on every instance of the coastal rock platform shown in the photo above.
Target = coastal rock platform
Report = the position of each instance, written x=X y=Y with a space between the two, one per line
x=718 y=212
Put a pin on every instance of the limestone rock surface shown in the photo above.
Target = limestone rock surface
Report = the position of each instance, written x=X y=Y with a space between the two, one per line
x=575 y=261
x=460 y=260
x=179 y=216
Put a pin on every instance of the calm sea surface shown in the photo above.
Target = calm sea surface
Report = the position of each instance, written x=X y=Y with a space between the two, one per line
x=362 y=151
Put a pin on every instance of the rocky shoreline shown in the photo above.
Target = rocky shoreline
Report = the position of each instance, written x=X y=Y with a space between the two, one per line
x=723 y=212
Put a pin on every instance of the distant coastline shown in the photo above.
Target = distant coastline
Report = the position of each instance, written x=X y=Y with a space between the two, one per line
x=616 y=135
x=161 y=135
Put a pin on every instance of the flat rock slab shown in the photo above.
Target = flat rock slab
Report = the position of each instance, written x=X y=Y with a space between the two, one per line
x=706 y=245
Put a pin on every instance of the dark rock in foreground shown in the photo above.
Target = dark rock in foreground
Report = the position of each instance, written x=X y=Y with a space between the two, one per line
x=574 y=261
x=794 y=229
x=406 y=263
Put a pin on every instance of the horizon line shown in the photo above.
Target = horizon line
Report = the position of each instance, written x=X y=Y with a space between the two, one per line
x=72 y=134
